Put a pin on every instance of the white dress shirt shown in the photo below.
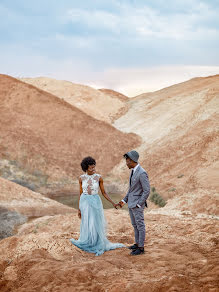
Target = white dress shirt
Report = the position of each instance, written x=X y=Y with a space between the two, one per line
x=134 y=169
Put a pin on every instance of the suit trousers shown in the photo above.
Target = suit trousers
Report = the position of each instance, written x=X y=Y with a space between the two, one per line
x=137 y=220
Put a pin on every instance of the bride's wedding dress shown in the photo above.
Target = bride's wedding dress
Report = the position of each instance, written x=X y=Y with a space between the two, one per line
x=93 y=225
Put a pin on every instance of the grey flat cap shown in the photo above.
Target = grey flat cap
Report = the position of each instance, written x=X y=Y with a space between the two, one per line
x=133 y=155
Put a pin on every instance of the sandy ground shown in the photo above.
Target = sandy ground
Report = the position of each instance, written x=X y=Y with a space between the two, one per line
x=178 y=256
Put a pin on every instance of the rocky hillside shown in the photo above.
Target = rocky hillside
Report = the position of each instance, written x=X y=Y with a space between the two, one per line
x=179 y=129
x=22 y=200
x=104 y=105
x=19 y=204
x=43 y=138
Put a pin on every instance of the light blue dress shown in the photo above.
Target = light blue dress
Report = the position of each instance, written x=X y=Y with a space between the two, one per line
x=93 y=225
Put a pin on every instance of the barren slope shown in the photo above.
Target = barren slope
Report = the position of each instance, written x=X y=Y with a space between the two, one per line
x=17 y=198
x=114 y=94
x=47 y=137
x=179 y=128
x=96 y=103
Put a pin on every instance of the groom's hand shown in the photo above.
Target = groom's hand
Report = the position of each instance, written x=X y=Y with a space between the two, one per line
x=121 y=204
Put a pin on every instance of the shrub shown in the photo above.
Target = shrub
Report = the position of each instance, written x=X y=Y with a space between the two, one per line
x=25 y=184
x=153 y=189
x=156 y=198
x=172 y=190
x=180 y=175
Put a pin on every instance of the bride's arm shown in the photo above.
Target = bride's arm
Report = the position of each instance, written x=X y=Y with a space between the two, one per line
x=104 y=193
x=81 y=191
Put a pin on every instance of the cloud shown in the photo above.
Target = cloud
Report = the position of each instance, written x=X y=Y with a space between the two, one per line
x=98 y=19
x=121 y=44
x=145 y=21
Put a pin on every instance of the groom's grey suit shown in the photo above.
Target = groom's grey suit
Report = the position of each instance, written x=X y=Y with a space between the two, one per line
x=139 y=190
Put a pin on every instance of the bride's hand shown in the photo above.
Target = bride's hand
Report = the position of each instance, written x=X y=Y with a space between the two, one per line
x=79 y=213
x=115 y=205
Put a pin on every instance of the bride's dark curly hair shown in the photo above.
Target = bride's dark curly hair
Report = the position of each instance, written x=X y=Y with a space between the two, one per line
x=86 y=162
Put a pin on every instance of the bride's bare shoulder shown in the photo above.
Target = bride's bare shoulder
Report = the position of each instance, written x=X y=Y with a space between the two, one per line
x=100 y=177
x=81 y=177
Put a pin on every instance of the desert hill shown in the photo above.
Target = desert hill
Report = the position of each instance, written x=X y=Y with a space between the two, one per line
x=189 y=86
x=19 y=204
x=114 y=94
x=43 y=138
x=104 y=105
x=179 y=129
x=26 y=202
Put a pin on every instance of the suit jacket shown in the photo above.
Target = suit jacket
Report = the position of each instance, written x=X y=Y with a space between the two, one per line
x=139 y=189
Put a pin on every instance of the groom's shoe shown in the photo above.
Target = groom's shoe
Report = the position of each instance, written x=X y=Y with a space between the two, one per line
x=133 y=247
x=139 y=250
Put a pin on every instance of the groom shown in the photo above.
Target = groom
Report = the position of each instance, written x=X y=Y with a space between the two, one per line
x=139 y=190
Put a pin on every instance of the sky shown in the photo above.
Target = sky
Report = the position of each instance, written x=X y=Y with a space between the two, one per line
x=131 y=46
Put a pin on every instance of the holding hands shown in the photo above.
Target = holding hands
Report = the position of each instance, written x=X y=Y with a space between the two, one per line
x=120 y=205
x=115 y=205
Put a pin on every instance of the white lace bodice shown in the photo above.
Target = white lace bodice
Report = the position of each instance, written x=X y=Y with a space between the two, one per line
x=90 y=183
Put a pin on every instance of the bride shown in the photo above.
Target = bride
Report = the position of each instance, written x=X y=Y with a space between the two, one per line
x=90 y=209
